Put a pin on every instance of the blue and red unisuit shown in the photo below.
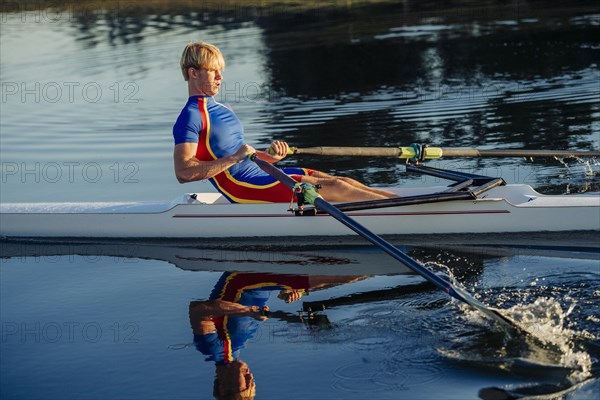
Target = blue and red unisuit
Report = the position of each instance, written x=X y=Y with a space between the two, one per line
x=232 y=332
x=219 y=133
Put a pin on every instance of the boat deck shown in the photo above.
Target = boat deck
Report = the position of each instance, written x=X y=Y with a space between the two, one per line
x=517 y=195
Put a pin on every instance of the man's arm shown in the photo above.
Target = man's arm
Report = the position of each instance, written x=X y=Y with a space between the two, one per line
x=189 y=169
x=202 y=312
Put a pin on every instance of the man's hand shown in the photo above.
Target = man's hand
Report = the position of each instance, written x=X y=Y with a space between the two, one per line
x=258 y=313
x=290 y=296
x=244 y=151
x=278 y=150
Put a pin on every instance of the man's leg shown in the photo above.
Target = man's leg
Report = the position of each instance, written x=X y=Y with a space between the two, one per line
x=355 y=187
x=345 y=189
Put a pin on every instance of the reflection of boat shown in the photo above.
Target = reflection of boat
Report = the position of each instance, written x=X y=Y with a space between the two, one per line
x=314 y=256
x=318 y=261
x=509 y=208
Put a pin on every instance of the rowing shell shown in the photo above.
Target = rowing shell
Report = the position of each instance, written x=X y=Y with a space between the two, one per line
x=509 y=208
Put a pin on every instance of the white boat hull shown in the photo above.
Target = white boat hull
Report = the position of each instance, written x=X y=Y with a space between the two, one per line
x=510 y=208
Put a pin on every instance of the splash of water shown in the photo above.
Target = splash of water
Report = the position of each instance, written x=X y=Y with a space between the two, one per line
x=545 y=321
x=588 y=165
x=547 y=342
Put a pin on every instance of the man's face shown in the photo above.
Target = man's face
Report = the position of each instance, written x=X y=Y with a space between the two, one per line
x=207 y=81
x=236 y=378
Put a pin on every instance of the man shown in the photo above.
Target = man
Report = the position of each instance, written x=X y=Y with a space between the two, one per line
x=209 y=144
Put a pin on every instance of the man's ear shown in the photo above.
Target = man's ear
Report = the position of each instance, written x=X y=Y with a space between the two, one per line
x=192 y=72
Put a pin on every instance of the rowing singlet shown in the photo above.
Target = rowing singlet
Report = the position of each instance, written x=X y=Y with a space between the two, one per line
x=219 y=133
x=232 y=332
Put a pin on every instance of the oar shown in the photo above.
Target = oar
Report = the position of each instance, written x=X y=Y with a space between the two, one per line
x=437 y=152
x=312 y=197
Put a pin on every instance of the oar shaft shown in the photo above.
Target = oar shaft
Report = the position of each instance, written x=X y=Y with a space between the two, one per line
x=386 y=246
x=351 y=151
x=322 y=204
x=329 y=208
x=400 y=152
x=436 y=152
x=457 y=152
x=456 y=292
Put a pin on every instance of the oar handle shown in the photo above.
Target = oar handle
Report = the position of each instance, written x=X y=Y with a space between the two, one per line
x=291 y=151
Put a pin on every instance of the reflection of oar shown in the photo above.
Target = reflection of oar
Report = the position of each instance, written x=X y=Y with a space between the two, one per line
x=312 y=197
x=537 y=391
x=437 y=152
x=367 y=297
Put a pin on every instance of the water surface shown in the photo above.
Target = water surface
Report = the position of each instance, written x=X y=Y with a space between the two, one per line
x=87 y=111
x=74 y=322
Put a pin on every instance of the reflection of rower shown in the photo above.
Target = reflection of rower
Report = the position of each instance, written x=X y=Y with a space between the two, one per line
x=224 y=323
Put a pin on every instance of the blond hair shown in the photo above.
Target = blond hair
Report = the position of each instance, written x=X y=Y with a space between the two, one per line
x=201 y=55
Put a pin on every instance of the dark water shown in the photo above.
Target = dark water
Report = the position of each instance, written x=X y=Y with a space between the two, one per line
x=91 y=323
x=89 y=97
